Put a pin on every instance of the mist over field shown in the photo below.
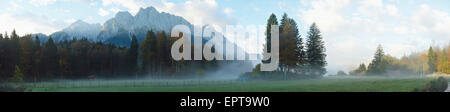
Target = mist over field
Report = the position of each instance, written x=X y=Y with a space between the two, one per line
x=158 y=45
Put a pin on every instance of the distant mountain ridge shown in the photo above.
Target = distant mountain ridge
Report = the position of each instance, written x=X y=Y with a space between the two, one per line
x=118 y=30
x=78 y=30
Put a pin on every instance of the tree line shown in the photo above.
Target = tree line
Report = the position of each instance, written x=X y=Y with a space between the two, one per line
x=427 y=62
x=297 y=56
x=27 y=59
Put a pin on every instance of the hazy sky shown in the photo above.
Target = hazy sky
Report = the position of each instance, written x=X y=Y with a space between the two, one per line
x=352 y=29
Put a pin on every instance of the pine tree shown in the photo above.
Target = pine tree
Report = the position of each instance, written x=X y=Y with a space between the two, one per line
x=267 y=46
x=50 y=59
x=292 y=54
x=6 y=35
x=315 y=52
x=360 y=70
x=36 y=58
x=443 y=60
x=378 y=65
x=37 y=43
x=14 y=51
x=285 y=20
x=133 y=55
x=299 y=48
x=18 y=75
x=26 y=55
x=288 y=44
x=14 y=35
x=432 y=61
x=2 y=57
x=148 y=49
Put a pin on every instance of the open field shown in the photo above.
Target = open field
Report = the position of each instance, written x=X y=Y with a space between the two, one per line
x=328 y=84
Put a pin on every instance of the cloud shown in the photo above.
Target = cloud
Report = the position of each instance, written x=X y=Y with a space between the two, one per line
x=132 y=5
x=433 y=23
x=353 y=28
x=41 y=2
x=70 y=21
x=14 y=6
x=228 y=10
x=25 y=21
x=25 y=25
x=322 y=11
x=198 y=12
x=256 y=9
x=103 y=12
x=114 y=10
x=377 y=9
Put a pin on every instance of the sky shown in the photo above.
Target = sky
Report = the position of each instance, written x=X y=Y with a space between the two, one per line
x=352 y=29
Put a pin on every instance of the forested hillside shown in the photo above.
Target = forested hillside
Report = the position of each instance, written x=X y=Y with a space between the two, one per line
x=26 y=59
x=434 y=60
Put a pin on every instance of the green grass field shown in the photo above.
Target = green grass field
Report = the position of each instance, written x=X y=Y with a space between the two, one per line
x=327 y=84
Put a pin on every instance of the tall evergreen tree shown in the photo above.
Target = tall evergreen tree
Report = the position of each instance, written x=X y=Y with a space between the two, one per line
x=2 y=55
x=285 y=20
x=148 y=49
x=315 y=52
x=289 y=49
x=133 y=55
x=36 y=58
x=6 y=35
x=360 y=70
x=26 y=55
x=378 y=65
x=432 y=60
x=267 y=46
x=50 y=59
x=299 y=50
x=14 y=52
x=162 y=51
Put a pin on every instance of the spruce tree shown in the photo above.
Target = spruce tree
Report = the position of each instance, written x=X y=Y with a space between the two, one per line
x=50 y=59
x=285 y=20
x=432 y=60
x=378 y=65
x=315 y=52
x=148 y=51
x=133 y=55
x=299 y=49
x=267 y=46
x=360 y=70
x=161 y=51
x=291 y=46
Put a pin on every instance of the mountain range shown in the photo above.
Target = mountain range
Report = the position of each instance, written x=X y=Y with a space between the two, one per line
x=119 y=29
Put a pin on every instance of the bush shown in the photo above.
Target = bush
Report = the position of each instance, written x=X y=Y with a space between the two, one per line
x=341 y=73
x=437 y=85
x=18 y=76
x=257 y=69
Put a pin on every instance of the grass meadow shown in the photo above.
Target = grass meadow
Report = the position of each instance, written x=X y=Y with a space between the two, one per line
x=326 y=84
